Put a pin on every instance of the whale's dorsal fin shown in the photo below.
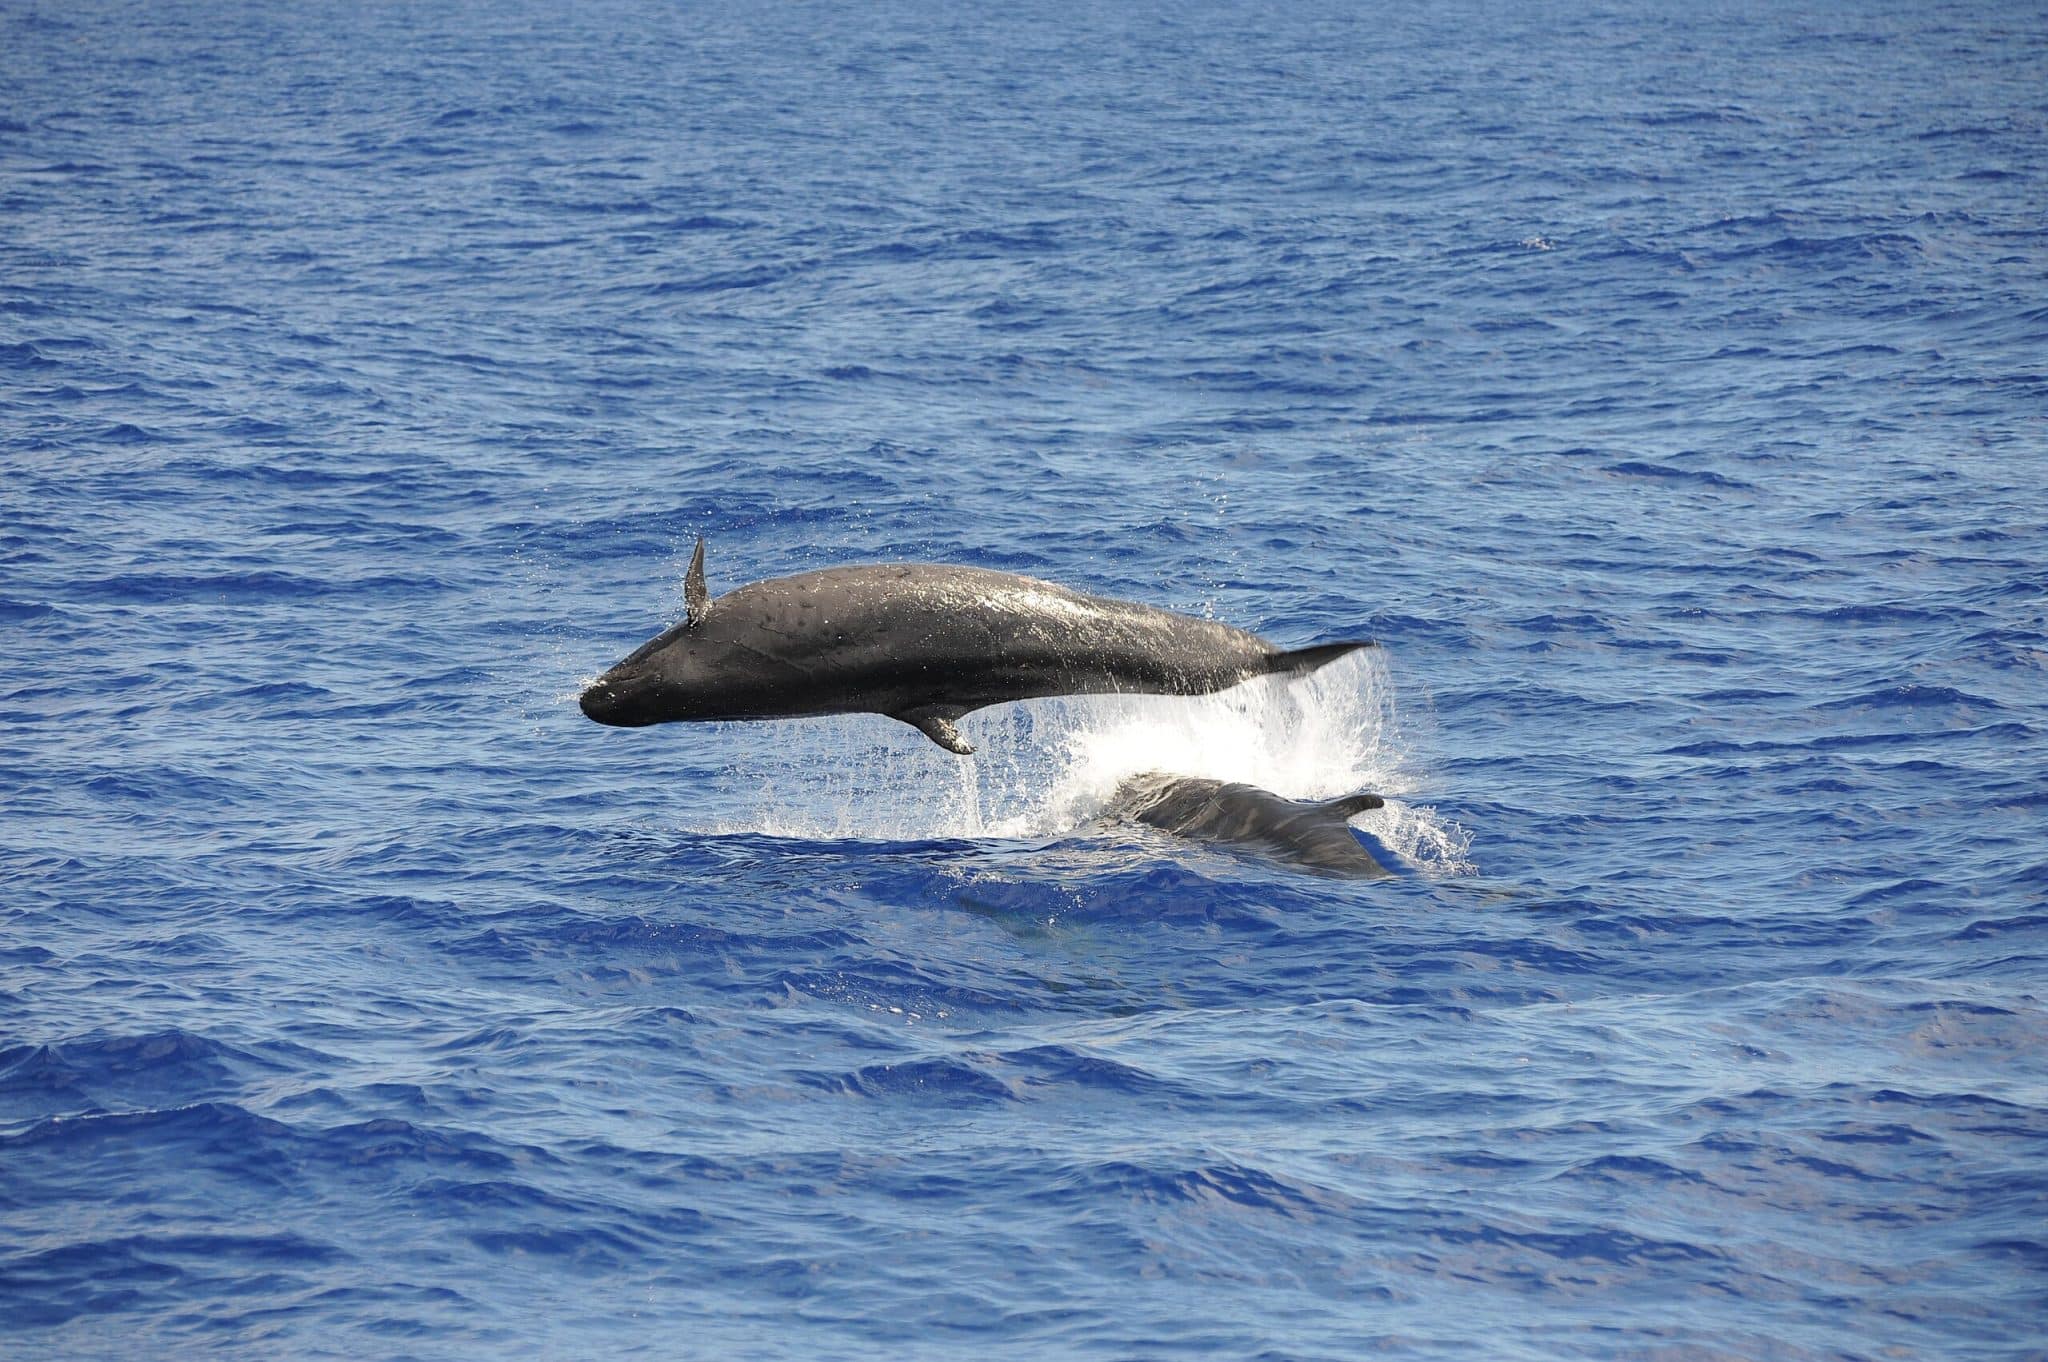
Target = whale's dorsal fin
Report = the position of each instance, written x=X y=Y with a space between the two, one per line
x=936 y=723
x=697 y=596
x=1352 y=805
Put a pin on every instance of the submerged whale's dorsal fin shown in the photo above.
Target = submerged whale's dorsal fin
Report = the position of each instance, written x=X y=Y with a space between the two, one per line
x=696 y=596
x=936 y=723
x=1352 y=805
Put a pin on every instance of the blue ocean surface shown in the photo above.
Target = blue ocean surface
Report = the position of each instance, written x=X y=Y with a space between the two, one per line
x=1664 y=386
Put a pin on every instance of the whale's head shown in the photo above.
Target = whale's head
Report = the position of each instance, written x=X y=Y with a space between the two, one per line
x=662 y=681
x=678 y=674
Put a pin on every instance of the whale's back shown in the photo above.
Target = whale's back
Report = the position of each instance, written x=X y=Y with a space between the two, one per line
x=1310 y=835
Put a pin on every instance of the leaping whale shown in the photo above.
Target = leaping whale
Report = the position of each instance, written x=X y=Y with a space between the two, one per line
x=1311 y=835
x=922 y=643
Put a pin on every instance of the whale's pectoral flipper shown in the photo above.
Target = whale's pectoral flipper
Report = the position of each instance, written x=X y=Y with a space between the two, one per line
x=696 y=596
x=936 y=723
x=1352 y=805
x=1303 y=660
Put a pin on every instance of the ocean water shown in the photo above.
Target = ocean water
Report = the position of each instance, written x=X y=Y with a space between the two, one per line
x=1662 y=385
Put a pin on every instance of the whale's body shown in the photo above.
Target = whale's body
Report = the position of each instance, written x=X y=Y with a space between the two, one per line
x=923 y=643
x=1309 y=835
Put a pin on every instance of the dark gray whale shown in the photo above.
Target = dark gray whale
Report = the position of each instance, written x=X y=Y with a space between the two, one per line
x=1310 y=835
x=921 y=643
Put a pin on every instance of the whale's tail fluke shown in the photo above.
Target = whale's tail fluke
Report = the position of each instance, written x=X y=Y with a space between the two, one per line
x=1301 y=661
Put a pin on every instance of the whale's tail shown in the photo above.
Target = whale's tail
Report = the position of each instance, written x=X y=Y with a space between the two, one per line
x=1302 y=661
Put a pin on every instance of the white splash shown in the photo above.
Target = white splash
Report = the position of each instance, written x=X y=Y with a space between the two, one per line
x=1045 y=768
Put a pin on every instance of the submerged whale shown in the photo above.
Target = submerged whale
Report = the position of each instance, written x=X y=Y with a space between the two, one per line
x=922 y=643
x=1310 y=835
